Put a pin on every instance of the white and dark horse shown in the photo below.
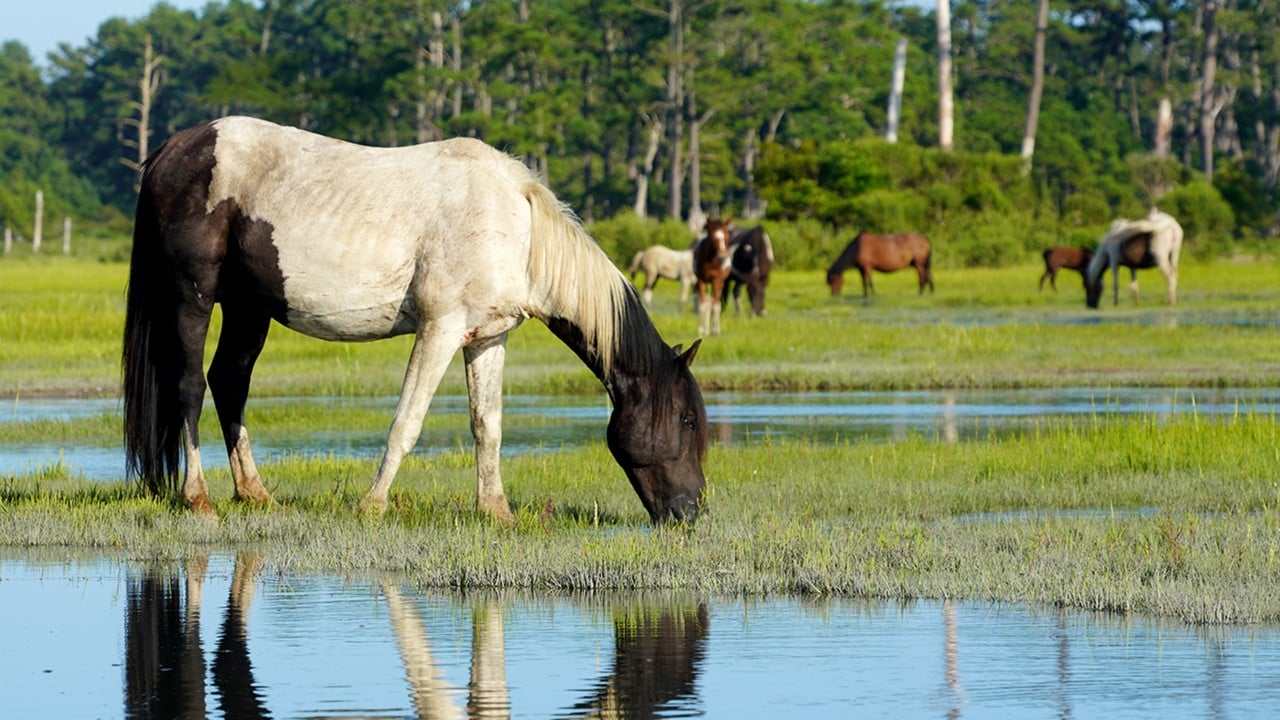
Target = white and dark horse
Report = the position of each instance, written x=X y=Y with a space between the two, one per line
x=1153 y=241
x=453 y=242
x=660 y=261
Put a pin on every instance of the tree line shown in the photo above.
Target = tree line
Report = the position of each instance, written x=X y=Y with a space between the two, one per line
x=1066 y=113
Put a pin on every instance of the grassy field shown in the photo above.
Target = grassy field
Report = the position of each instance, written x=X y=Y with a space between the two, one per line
x=1175 y=517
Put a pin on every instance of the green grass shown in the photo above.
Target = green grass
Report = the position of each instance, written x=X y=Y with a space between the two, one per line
x=1174 y=517
x=60 y=335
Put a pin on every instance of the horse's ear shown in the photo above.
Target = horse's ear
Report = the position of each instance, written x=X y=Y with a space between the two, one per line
x=687 y=358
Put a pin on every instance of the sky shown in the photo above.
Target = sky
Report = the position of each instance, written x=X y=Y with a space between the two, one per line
x=42 y=24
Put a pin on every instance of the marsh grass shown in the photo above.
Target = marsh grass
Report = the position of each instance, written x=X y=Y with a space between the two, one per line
x=61 y=323
x=1174 y=517
x=1170 y=517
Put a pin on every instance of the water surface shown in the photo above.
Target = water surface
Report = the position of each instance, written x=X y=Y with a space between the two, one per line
x=549 y=422
x=234 y=637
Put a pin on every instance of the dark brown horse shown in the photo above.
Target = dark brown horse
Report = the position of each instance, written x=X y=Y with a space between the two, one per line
x=751 y=261
x=1058 y=257
x=712 y=265
x=882 y=253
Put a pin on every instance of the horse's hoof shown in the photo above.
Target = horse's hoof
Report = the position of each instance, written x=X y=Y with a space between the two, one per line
x=373 y=507
x=201 y=506
x=498 y=509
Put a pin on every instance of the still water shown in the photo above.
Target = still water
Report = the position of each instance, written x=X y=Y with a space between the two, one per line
x=233 y=637
x=735 y=418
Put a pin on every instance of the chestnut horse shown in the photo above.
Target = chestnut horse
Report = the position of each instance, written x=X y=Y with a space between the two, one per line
x=453 y=242
x=1153 y=241
x=751 y=261
x=1058 y=257
x=712 y=265
x=882 y=253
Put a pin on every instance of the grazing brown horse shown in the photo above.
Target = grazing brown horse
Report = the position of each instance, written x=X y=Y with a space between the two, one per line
x=752 y=260
x=883 y=253
x=1058 y=257
x=712 y=265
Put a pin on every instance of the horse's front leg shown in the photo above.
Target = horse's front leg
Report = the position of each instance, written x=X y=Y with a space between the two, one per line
x=484 y=363
x=433 y=347
x=1133 y=284
x=244 y=331
x=704 y=309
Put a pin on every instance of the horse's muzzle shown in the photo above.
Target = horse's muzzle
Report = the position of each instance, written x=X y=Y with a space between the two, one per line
x=681 y=510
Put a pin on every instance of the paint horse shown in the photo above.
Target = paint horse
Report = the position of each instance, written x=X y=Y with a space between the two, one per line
x=453 y=242
x=751 y=260
x=712 y=265
x=1058 y=257
x=882 y=253
x=1153 y=241
x=659 y=261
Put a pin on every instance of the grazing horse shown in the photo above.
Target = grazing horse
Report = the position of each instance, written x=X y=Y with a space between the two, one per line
x=1058 y=257
x=883 y=253
x=712 y=265
x=453 y=242
x=1153 y=241
x=659 y=261
x=751 y=261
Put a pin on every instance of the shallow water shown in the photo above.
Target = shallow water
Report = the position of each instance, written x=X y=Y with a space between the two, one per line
x=239 y=638
x=735 y=418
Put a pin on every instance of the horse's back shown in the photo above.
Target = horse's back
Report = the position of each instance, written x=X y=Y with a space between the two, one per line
x=353 y=238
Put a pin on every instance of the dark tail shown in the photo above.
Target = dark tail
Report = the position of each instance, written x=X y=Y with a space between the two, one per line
x=152 y=423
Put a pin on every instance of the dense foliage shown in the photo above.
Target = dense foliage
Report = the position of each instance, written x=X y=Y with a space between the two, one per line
x=673 y=108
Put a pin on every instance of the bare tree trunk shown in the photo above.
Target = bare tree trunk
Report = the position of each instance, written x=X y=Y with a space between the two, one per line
x=8 y=239
x=946 y=109
x=895 y=90
x=752 y=207
x=697 y=215
x=37 y=230
x=66 y=235
x=1207 y=111
x=645 y=171
x=1037 y=87
x=148 y=85
x=1164 y=128
x=675 y=105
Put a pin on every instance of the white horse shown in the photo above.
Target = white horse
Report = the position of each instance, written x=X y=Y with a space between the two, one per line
x=659 y=261
x=1153 y=241
x=453 y=242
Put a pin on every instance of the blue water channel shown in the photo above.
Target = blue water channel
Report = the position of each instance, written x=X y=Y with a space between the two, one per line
x=735 y=418
x=235 y=637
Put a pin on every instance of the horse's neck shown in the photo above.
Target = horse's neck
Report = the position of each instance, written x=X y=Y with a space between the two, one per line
x=638 y=348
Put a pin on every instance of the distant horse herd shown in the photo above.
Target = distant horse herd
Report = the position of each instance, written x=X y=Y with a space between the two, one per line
x=724 y=259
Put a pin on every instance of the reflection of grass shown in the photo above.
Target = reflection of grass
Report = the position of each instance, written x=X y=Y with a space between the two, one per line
x=60 y=334
x=1175 y=518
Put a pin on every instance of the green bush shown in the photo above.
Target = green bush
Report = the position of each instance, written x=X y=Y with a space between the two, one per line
x=626 y=233
x=1206 y=219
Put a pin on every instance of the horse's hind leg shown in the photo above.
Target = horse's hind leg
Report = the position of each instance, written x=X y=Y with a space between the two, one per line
x=193 y=312
x=244 y=330
x=484 y=363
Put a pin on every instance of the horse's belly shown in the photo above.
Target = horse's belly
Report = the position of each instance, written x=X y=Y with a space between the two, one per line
x=345 y=310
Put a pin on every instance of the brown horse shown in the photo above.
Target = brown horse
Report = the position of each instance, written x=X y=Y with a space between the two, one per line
x=712 y=265
x=1058 y=257
x=883 y=253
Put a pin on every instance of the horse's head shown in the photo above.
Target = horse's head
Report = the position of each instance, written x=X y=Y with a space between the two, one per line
x=835 y=281
x=1092 y=291
x=718 y=234
x=658 y=434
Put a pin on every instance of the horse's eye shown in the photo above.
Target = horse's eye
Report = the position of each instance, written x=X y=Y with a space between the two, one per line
x=689 y=421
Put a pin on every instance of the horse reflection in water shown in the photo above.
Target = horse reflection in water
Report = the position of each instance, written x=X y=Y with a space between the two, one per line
x=164 y=661
x=657 y=654
x=656 y=659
